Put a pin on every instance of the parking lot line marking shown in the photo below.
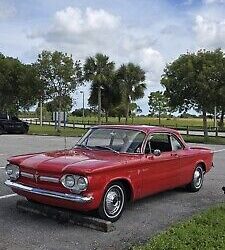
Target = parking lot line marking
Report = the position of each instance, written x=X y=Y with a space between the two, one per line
x=7 y=196
x=2 y=154
x=217 y=151
x=2 y=167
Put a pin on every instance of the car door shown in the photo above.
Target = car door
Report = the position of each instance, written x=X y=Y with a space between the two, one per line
x=160 y=172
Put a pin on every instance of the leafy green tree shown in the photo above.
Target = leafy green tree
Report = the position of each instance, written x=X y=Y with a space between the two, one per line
x=100 y=72
x=132 y=79
x=110 y=96
x=66 y=104
x=87 y=112
x=220 y=92
x=19 y=85
x=119 y=111
x=192 y=81
x=47 y=115
x=60 y=76
x=158 y=104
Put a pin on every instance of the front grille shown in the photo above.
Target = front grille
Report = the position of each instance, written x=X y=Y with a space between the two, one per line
x=38 y=177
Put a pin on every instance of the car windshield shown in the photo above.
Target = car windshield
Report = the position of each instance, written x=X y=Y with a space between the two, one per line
x=113 y=139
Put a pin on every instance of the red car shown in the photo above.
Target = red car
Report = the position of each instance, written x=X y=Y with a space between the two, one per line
x=109 y=166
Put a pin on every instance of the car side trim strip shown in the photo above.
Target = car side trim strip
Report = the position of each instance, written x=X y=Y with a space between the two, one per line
x=49 y=179
x=48 y=193
x=27 y=175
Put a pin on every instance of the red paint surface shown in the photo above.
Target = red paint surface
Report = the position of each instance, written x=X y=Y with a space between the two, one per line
x=145 y=174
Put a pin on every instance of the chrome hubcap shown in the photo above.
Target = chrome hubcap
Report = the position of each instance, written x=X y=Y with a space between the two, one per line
x=198 y=177
x=114 y=201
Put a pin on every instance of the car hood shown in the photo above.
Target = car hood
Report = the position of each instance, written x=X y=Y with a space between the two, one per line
x=73 y=160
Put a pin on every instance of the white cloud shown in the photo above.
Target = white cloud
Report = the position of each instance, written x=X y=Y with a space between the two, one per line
x=100 y=19
x=6 y=10
x=152 y=61
x=213 y=1
x=74 y=21
x=210 y=31
x=84 y=33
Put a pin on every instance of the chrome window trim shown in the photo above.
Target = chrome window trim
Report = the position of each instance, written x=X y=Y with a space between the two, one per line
x=82 y=139
x=168 y=133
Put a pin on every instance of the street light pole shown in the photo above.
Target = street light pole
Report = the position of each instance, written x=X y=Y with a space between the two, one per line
x=82 y=92
x=41 y=113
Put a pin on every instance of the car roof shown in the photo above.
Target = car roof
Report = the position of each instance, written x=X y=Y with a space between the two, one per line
x=144 y=128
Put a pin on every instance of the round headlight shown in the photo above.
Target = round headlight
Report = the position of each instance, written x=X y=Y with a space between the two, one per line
x=75 y=183
x=13 y=171
x=82 y=183
x=69 y=181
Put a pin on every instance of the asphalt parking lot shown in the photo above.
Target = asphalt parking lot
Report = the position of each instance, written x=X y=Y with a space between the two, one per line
x=140 y=220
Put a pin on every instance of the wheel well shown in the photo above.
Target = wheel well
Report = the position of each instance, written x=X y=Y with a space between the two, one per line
x=202 y=164
x=127 y=186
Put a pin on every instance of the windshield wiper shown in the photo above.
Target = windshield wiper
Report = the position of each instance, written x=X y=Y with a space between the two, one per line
x=107 y=148
x=83 y=146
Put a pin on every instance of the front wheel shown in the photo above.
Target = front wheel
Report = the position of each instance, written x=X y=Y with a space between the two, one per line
x=113 y=202
x=197 y=180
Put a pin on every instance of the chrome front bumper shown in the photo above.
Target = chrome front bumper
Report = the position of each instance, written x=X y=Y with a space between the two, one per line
x=52 y=194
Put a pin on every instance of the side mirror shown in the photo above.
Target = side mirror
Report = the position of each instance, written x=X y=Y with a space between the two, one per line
x=157 y=152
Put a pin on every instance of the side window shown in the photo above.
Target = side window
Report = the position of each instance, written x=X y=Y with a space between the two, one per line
x=176 y=145
x=159 y=141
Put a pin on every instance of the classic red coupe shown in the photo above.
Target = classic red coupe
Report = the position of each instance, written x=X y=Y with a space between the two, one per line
x=109 y=166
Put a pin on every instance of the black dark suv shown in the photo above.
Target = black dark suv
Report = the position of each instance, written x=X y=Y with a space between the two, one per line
x=12 y=125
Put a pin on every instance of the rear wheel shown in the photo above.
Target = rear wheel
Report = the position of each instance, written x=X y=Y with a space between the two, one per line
x=113 y=202
x=2 y=131
x=197 y=180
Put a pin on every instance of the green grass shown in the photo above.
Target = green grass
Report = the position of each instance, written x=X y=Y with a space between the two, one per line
x=50 y=130
x=204 y=231
x=201 y=139
x=174 y=122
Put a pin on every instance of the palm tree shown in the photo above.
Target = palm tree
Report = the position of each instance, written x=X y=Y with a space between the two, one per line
x=100 y=71
x=132 y=79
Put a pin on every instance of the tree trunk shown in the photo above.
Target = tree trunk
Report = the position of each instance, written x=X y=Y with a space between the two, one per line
x=99 y=105
x=222 y=118
x=127 y=109
x=41 y=113
x=59 y=115
x=106 y=116
x=119 y=118
x=205 y=125
x=159 y=117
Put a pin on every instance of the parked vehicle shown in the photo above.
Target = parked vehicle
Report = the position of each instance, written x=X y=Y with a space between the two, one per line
x=12 y=125
x=108 y=167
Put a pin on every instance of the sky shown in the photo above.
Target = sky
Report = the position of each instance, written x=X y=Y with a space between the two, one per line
x=146 y=32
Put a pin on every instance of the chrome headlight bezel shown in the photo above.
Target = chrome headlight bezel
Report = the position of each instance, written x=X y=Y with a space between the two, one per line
x=12 y=171
x=80 y=183
x=68 y=179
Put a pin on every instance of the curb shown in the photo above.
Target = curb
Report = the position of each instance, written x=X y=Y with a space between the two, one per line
x=64 y=215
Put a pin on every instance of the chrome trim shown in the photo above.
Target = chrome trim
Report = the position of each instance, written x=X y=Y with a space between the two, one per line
x=36 y=177
x=49 y=179
x=48 y=193
x=75 y=187
x=27 y=175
